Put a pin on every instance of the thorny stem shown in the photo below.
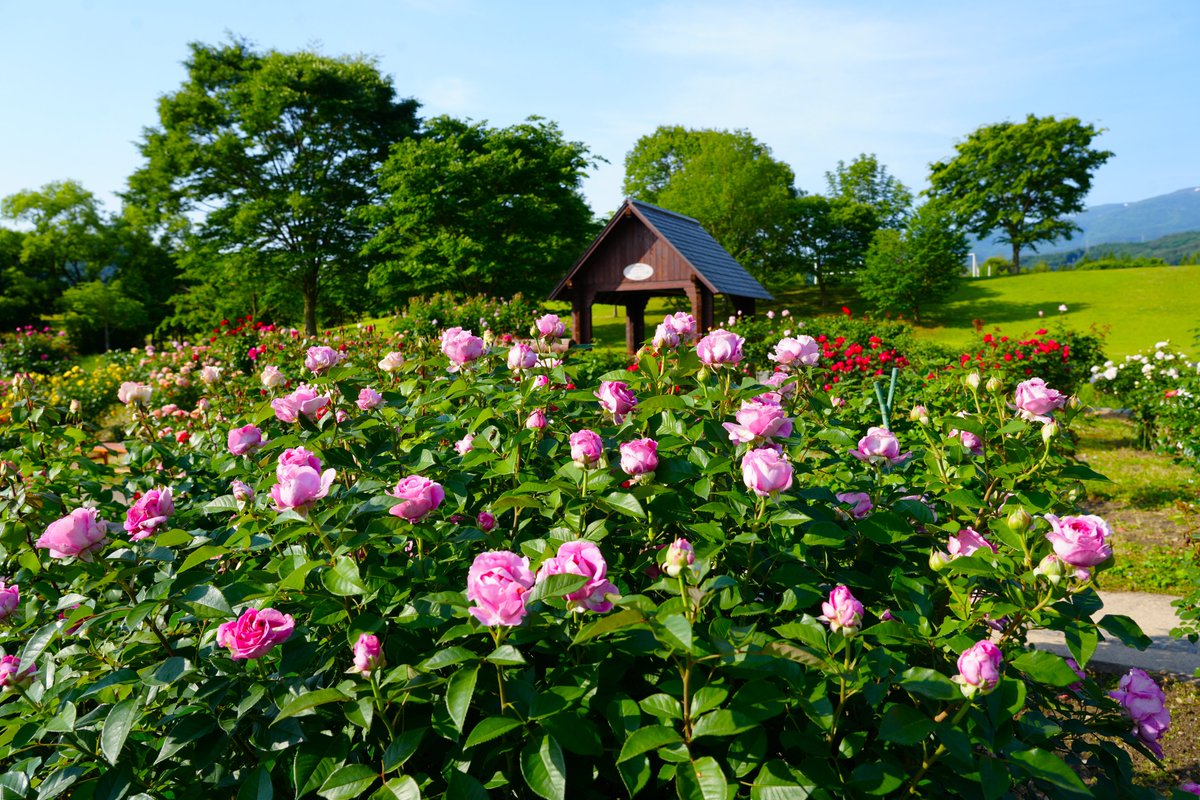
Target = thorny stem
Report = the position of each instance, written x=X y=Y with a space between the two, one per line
x=928 y=762
x=124 y=584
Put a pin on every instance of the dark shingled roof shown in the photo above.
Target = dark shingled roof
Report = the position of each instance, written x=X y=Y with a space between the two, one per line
x=701 y=250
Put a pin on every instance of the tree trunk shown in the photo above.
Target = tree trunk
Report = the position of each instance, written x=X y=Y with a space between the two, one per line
x=1016 y=259
x=309 y=286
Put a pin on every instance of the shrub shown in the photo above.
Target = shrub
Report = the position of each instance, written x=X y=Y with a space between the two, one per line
x=29 y=349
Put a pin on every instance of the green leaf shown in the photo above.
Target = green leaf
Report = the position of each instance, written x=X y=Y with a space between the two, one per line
x=307 y=701
x=459 y=689
x=464 y=787
x=445 y=658
x=491 y=728
x=343 y=579
x=626 y=503
x=722 y=722
x=402 y=748
x=904 y=725
x=647 y=738
x=202 y=555
x=401 y=788
x=776 y=782
x=221 y=505
x=208 y=601
x=1082 y=639
x=295 y=579
x=116 y=728
x=662 y=705
x=1046 y=667
x=38 y=642
x=555 y=586
x=659 y=402
x=348 y=783
x=1046 y=766
x=701 y=779
x=58 y=782
x=801 y=655
x=879 y=777
x=1118 y=625
x=929 y=683
x=544 y=769
x=505 y=655
x=609 y=623
x=257 y=785
x=675 y=632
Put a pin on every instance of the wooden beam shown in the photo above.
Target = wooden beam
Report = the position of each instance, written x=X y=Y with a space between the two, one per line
x=635 y=323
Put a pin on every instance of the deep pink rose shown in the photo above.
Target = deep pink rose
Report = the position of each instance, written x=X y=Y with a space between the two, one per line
x=77 y=534
x=245 y=439
x=859 y=502
x=1190 y=787
x=966 y=542
x=879 y=446
x=766 y=472
x=303 y=401
x=1080 y=541
x=796 y=350
x=586 y=448
x=296 y=457
x=536 y=420
x=10 y=598
x=719 y=348
x=368 y=655
x=639 y=457
x=1145 y=703
x=541 y=381
x=842 y=611
x=1034 y=399
x=979 y=668
x=368 y=398
x=321 y=358
x=254 y=633
x=461 y=347
x=485 y=521
x=149 y=513
x=682 y=324
x=300 y=487
x=581 y=557
x=11 y=673
x=616 y=398
x=550 y=326
x=759 y=418
x=497 y=583
x=419 y=496
x=521 y=356
x=679 y=556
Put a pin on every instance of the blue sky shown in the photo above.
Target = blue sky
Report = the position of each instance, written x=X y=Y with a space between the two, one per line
x=816 y=81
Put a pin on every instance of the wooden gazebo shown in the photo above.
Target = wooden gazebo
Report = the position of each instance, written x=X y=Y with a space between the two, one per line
x=643 y=252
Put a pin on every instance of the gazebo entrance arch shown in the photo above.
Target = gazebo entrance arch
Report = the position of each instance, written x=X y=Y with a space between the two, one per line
x=645 y=251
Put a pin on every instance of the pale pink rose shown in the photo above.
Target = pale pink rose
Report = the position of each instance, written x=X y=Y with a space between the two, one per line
x=497 y=583
x=272 y=378
x=485 y=521
x=368 y=655
x=859 y=502
x=419 y=496
x=303 y=401
x=300 y=487
x=536 y=420
x=246 y=439
x=461 y=347
x=1080 y=541
x=11 y=673
x=879 y=446
x=796 y=350
x=616 y=398
x=78 y=534
x=210 y=375
x=133 y=393
x=1034 y=400
x=296 y=457
x=254 y=633
x=550 y=326
x=759 y=418
x=391 y=362
x=581 y=557
x=782 y=383
x=10 y=598
x=521 y=357
x=842 y=611
x=149 y=513
x=321 y=359
x=241 y=491
x=979 y=668
x=541 y=381
x=719 y=348
x=368 y=398
x=465 y=444
x=679 y=556
x=682 y=324
x=1145 y=703
x=972 y=443
x=766 y=472
x=639 y=457
x=966 y=542
x=341 y=416
x=665 y=338
x=586 y=448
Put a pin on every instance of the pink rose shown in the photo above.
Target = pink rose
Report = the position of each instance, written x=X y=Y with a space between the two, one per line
x=639 y=457
x=419 y=496
x=1190 y=787
x=10 y=598
x=616 y=398
x=541 y=381
x=254 y=633
x=303 y=401
x=972 y=443
x=320 y=359
x=859 y=502
x=979 y=668
x=461 y=347
x=796 y=350
x=581 y=557
x=368 y=398
x=550 y=326
x=296 y=457
x=1034 y=400
x=586 y=448
x=78 y=534
x=782 y=383
x=391 y=362
x=133 y=393
x=241 y=491
x=11 y=673
x=521 y=356
x=766 y=472
x=149 y=513
x=759 y=418
x=966 y=542
x=536 y=420
x=465 y=444
x=1080 y=541
x=300 y=487
x=842 y=611
x=368 y=655
x=682 y=324
x=665 y=338
x=210 y=375
x=719 y=348
x=1145 y=703
x=246 y=439
x=497 y=583
x=272 y=378
x=485 y=521
x=679 y=556
x=879 y=446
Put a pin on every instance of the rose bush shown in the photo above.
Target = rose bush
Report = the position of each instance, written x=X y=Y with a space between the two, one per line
x=365 y=606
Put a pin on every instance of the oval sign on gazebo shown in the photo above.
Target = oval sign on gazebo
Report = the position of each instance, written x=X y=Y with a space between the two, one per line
x=638 y=271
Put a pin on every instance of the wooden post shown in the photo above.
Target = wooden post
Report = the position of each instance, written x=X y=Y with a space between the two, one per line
x=635 y=323
x=743 y=305
x=581 y=316
x=705 y=320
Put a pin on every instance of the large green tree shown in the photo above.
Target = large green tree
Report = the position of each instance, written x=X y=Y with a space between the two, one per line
x=270 y=155
x=864 y=180
x=67 y=231
x=470 y=207
x=726 y=180
x=1021 y=179
x=829 y=237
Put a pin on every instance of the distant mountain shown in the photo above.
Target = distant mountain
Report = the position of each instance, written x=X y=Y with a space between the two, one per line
x=1141 y=221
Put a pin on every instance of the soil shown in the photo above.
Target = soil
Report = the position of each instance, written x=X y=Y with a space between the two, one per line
x=1139 y=527
x=1181 y=744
